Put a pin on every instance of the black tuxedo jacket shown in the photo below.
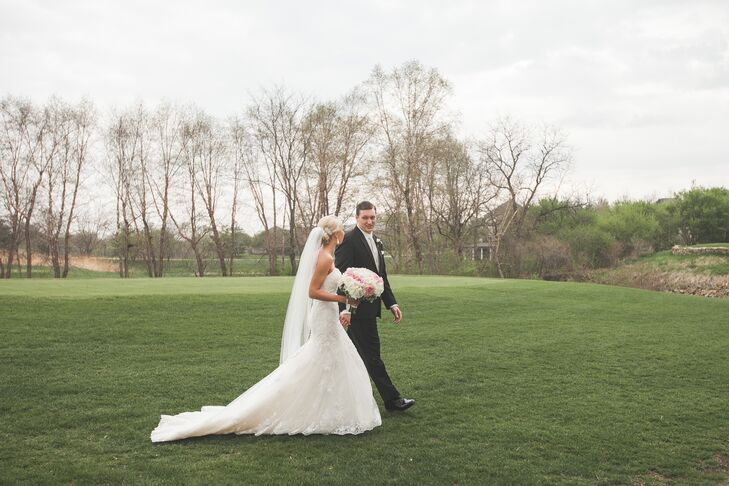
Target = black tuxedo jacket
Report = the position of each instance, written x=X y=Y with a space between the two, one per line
x=355 y=252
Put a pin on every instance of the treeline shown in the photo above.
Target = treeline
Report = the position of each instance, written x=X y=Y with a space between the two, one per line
x=177 y=172
x=43 y=152
x=179 y=180
x=564 y=238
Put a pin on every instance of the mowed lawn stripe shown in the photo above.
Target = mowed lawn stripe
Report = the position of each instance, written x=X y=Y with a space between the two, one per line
x=99 y=287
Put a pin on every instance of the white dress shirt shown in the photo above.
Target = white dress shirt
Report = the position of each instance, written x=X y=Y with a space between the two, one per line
x=373 y=248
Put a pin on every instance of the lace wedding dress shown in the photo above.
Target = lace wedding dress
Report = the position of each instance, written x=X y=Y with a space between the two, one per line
x=322 y=388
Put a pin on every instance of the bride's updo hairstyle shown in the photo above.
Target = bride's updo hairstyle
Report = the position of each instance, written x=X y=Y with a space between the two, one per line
x=329 y=225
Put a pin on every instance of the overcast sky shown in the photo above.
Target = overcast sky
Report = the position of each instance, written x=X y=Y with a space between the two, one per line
x=640 y=86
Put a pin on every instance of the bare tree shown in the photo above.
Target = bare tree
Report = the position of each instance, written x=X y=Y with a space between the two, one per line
x=276 y=123
x=461 y=192
x=4 y=239
x=356 y=131
x=427 y=185
x=339 y=134
x=22 y=169
x=140 y=193
x=409 y=104
x=84 y=119
x=166 y=123
x=45 y=143
x=72 y=127
x=122 y=151
x=208 y=152
x=259 y=176
x=192 y=228
x=236 y=138
x=13 y=172
x=321 y=125
x=59 y=146
x=518 y=165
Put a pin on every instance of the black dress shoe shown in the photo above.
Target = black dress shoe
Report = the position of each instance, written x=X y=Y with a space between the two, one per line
x=400 y=404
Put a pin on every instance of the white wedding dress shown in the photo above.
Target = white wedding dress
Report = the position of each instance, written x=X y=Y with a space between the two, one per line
x=322 y=388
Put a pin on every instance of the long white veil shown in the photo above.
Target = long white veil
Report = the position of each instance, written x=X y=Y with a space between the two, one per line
x=296 y=326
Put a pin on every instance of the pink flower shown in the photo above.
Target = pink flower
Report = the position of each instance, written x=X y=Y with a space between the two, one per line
x=361 y=283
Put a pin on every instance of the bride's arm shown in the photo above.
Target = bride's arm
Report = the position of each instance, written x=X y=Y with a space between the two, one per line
x=323 y=264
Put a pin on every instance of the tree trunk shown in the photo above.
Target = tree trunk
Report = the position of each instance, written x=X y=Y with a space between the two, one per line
x=159 y=270
x=124 y=256
x=413 y=235
x=150 y=258
x=292 y=239
x=200 y=262
x=17 y=254
x=9 y=270
x=497 y=258
x=12 y=246
x=272 y=261
x=66 y=239
x=232 y=242
x=55 y=259
x=218 y=247
x=28 y=250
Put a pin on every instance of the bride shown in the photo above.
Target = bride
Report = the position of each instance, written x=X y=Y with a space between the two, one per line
x=321 y=385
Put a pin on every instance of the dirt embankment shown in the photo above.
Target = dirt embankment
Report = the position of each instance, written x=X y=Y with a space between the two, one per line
x=94 y=264
x=695 y=270
x=700 y=250
x=646 y=276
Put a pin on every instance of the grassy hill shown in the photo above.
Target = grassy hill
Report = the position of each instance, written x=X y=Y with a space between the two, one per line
x=517 y=382
x=706 y=275
x=698 y=264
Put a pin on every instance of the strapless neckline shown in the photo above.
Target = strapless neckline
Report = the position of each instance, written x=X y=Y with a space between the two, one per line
x=330 y=283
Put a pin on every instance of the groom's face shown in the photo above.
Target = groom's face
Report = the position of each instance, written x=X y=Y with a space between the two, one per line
x=366 y=220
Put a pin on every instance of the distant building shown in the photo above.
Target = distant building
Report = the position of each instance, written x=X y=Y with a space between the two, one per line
x=483 y=250
x=479 y=251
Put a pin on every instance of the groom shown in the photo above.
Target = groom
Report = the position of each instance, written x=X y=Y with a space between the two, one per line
x=361 y=248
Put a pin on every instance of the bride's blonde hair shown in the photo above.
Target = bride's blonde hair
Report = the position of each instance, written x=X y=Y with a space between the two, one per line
x=330 y=225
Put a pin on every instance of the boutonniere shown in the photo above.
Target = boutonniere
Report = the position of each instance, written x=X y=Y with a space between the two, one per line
x=380 y=246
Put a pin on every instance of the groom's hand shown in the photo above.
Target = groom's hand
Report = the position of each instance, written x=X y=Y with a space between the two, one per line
x=397 y=313
x=345 y=319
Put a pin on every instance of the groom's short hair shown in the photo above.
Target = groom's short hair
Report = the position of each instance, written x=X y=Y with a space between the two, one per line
x=365 y=205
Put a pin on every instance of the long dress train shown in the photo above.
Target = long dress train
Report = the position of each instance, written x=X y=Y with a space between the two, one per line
x=323 y=388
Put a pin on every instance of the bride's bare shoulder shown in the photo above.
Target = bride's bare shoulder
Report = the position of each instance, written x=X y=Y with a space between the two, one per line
x=325 y=260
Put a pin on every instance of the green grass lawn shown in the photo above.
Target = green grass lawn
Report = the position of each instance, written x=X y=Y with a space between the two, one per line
x=517 y=382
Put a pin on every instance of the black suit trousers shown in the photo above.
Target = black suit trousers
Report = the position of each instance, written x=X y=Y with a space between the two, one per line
x=363 y=333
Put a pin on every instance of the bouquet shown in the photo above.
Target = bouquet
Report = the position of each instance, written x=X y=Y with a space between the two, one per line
x=361 y=284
